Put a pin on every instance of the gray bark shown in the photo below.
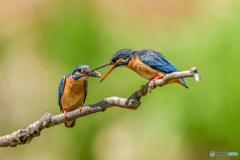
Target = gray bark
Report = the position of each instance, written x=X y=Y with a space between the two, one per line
x=24 y=136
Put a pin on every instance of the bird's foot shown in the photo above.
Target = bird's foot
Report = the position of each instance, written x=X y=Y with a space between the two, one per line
x=65 y=113
x=80 y=108
x=159 y=77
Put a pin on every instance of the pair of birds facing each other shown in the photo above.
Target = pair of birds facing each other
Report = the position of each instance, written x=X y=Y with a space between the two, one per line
x=149 y=64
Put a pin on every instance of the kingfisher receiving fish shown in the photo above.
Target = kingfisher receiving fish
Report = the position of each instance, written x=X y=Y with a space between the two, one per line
x=147 y=63
x=72 y=90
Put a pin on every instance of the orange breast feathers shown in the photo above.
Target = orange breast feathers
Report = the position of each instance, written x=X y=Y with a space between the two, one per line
x=143 y=70
x=74 y=94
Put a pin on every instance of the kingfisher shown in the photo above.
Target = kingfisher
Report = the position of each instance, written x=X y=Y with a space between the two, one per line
x=72 y=90
x=147 y=63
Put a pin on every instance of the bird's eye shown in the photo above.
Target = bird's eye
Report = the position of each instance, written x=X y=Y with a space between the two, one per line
x=79 y=70
x=114 y=60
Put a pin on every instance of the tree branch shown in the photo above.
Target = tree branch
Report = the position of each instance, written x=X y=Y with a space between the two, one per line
x=23 y=136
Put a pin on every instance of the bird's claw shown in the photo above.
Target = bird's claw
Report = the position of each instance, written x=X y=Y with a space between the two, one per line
x=159 y=77
x=65 y=113
x=80 y=108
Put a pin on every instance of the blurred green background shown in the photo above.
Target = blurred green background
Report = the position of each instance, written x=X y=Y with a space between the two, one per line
x=40 y=41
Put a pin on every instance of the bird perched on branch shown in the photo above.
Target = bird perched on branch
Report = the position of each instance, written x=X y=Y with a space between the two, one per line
x=148 y=63
x=72 y=90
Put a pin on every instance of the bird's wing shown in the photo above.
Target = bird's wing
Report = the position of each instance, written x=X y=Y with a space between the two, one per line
x=156 y=60
x=60 y=90
x=85 y=88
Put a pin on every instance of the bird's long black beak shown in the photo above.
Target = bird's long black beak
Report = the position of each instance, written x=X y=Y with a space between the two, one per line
x=104 y=65
x=114 y=66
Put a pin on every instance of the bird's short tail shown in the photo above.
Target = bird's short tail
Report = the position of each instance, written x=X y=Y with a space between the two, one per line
x=70 y=124
x=183 y=83
x=179 y=81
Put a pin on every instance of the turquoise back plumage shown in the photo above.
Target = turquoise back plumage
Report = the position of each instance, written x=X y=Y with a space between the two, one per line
x=157 y=61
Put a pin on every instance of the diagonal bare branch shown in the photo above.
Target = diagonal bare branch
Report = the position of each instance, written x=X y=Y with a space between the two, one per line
x=24 y=136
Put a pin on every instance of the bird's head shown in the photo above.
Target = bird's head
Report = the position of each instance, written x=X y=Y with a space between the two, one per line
x=121 y=58
x=84 y=71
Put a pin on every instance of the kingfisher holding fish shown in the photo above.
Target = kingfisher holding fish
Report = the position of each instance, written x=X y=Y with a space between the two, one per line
x=72 y=90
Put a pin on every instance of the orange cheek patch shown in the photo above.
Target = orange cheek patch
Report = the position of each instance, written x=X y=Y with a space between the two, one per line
x=120 y=60
x=75 y=73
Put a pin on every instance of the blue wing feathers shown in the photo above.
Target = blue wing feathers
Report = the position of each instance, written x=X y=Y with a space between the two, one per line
x=157 y=61
x=60 y=90
x=86 y=88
